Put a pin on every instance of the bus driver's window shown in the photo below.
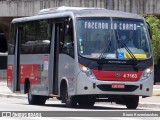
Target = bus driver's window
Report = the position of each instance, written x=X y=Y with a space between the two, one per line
x=68 y=47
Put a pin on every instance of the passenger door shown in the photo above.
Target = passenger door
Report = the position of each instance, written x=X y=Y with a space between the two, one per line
x=61 y=60
x=16 y=63
x=57 y=30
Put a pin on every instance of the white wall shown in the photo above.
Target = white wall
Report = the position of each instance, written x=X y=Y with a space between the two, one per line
x=31 y=7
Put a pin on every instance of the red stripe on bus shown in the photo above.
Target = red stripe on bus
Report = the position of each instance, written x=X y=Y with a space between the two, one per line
x=30 y=71
x=9 y=73
x=117 y=75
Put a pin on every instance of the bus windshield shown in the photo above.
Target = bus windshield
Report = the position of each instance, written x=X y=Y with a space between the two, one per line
x=110 y=36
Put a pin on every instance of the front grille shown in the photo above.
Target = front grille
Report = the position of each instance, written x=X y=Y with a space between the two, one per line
x=128 y=88
x=92 y=64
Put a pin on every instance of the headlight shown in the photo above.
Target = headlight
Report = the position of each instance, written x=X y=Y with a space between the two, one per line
x=147 y=73
x=86 y=70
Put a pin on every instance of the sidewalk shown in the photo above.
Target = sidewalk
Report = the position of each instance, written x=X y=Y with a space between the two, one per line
x=6 y=92
x=149 y=102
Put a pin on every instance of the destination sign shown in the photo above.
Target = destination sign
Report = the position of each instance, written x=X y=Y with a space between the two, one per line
x=106 y=25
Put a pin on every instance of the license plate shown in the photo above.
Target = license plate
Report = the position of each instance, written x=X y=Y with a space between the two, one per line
x=121 y=86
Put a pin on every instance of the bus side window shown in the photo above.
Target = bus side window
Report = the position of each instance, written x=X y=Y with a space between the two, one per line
x=68 y=47
x=36 y=37
x=11 y=42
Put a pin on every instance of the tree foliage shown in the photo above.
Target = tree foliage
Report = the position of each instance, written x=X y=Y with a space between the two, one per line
x=155 y=30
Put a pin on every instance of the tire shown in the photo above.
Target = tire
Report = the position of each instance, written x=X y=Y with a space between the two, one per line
x=85 y=101
x=36 y=99
x=86 y=104
x=71 y=101
x=41 y=100
x=132 y=102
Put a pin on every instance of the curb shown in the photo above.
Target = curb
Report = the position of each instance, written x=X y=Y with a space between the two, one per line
x=13 y=96
x=149 y=105
x=156 y=92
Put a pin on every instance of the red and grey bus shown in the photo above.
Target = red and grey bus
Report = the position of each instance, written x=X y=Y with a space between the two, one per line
x=81 y=56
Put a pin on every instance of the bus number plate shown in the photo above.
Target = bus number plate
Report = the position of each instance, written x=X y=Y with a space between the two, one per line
x=121 y=86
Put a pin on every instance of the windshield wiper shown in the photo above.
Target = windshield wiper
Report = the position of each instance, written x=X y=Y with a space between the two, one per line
x=102 y=57
x=103 y=51
x=134 y=59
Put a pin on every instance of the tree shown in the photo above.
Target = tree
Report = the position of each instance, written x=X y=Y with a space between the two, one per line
x=154 y=25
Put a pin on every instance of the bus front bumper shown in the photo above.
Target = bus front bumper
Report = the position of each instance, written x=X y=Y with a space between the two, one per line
x=89 y=86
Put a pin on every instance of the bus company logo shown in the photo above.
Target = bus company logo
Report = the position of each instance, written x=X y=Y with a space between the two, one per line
x=118 y=74
x=6 y=114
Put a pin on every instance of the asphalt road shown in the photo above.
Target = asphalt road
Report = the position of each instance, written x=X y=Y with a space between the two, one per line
x=52 y=108
x=18 y=103
x=21 y=104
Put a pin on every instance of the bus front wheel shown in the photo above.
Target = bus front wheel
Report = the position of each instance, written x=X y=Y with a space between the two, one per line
x=70 y=101
x=132 y=102
x=86 y=101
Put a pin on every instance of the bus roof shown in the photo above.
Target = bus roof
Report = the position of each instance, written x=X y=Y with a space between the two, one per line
x=78 y=12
